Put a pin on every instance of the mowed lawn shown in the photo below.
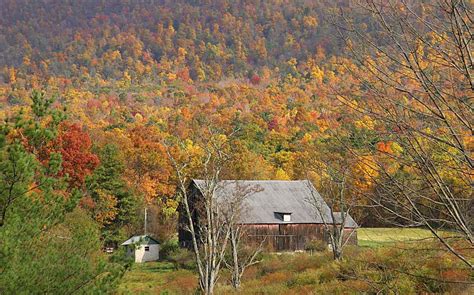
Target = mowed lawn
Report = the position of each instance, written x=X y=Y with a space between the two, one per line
x=376 y=237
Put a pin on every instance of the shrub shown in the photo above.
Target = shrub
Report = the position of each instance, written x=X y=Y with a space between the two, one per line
x=225 y=289
x=271 y=264
x=251 y=273
x=308 y=277
x=358 y=286
x=316 y=246
x=328 y=272
x=276 y=277
x=168 y=248
x=181 y=282
x=120 y=256
x=182 y=258
x=405 y=285
x=170 y=283
x=338 y=287
x=303 y=262
x=274 y=289
x=455 y=275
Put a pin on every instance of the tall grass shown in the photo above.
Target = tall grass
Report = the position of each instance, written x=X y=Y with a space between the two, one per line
x=396 y=265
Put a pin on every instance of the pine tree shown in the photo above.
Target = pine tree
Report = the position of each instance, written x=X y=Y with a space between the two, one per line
x=115 y=203
x=47 y=244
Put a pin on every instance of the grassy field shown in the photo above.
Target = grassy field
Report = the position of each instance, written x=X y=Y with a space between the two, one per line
x=157 y=278
x=377 y=237
x=301 y=273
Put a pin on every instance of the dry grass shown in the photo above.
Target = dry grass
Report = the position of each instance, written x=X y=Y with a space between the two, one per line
x=394 y=263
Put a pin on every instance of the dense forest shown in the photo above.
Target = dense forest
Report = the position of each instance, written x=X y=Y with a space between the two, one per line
x=206 y=40
x=96 y=97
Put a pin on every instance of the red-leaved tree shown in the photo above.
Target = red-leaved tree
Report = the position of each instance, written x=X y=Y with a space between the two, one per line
x=74 y=145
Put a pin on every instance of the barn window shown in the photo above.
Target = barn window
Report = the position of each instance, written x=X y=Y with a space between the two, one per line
x=283 y=216
x=147 y=248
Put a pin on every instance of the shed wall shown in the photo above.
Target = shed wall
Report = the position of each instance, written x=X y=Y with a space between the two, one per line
x=143 y=256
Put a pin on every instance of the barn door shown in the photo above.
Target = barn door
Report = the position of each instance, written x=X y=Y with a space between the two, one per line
x=284 y=240
x=283 y=228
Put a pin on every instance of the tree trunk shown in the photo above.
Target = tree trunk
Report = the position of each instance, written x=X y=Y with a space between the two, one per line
x=337 y=253
x=236 y=273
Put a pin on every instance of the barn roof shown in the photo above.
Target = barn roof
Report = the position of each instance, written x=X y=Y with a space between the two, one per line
x=270 y=197
x=142 y=240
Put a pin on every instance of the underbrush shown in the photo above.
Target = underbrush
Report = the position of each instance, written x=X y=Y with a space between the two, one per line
x=397 y=269
x=401 y=269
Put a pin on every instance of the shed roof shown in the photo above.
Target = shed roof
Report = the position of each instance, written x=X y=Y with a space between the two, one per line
x=273 y=196
x=142 y=240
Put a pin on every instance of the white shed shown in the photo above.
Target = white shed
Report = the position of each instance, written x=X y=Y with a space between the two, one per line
x=144 y=248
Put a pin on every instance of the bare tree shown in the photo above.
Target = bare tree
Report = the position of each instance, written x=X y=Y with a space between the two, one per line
x=242 y=256
x=210 y=232
x=418 y=86
x=334 y=209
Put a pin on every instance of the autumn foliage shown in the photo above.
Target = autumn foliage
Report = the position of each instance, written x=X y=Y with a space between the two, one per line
x=149 y=77
x=78 y=160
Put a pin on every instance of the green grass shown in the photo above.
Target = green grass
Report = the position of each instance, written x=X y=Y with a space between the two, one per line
x=302 y=273
x=377 y=237
x=157 y=278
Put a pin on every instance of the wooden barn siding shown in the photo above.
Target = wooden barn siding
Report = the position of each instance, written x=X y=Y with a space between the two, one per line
x=289 y=237
x=278 y=237
x=184 y=236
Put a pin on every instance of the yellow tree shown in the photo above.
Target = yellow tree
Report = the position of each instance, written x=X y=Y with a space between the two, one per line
x=418 y=85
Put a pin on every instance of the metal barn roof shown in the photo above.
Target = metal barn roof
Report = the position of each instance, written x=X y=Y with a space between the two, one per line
x=142 y=240
x=269 y=197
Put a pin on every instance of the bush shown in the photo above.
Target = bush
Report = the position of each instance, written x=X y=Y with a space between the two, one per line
x=168 y=248
x=308 y=277
x=348 y=287
x=275 y=277
x=329 y=272
x=180 y=282
x=120 y=256
x=272 y=264
x=182 y=258
x=316 y=245
x=274 y=289
x=304 y=261
x=362 y=271
x=256 y=287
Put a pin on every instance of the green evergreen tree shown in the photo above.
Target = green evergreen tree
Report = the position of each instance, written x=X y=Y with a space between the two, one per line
x=46 y=245
x=107 y=178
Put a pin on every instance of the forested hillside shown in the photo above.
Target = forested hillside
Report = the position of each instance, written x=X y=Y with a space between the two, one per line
x=101 y=99
x=207 y=40
x=133 y=73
